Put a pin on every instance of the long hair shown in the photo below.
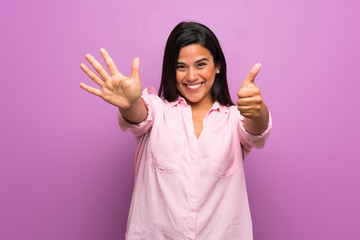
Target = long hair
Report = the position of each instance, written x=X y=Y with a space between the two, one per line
x=186 y=33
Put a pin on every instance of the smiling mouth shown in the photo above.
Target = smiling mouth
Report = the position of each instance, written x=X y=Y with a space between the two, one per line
x=193 y=86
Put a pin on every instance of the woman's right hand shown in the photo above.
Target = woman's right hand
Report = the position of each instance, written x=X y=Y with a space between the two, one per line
x=116 y=88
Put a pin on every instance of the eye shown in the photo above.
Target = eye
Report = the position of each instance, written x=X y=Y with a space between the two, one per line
x=202 y=64
x=180 y=67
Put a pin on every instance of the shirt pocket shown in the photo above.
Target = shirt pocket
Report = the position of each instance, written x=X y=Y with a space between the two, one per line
x=225 y=156
x=166 y=149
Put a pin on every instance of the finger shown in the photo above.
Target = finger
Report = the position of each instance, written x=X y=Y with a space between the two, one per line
x=248 y=92
x=248 y=109
x=109 y=62
x=97 y=66
x=252 y=74
x=243 y=112
x=135 y=68
x=92 y=75
x=249 y=101
x=92 y=90
x=244 y=102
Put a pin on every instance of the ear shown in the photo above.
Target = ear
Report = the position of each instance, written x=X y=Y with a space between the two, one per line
x=217 y=68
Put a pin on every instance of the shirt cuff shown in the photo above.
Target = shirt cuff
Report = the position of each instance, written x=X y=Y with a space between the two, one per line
x=257 y=141
x=138 y=128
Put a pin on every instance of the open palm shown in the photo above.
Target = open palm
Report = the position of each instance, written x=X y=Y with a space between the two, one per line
x=116 y=88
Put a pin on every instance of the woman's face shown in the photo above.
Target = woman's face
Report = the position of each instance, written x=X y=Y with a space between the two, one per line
x=195 y=74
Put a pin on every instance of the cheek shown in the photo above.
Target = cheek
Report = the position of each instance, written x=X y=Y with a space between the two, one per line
x=209 y=72
x=178 y=81
x=209 y=76
x=179 y=77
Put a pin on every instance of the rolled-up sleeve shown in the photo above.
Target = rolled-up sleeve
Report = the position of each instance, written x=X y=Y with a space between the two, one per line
x=141 y=128
x=249 y=140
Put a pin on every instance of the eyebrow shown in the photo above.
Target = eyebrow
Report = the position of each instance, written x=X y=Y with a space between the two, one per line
x=200 y=60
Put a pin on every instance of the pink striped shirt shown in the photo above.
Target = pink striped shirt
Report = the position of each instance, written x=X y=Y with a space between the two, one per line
x=189 y=188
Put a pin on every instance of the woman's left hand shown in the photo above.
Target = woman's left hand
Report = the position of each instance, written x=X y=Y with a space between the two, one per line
x=249 y=101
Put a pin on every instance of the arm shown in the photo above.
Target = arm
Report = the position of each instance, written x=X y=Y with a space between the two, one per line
x=251 y=105
x=117 y=89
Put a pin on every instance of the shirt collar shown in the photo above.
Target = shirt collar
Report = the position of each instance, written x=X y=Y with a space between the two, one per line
x=215 y=107
x=179 y=100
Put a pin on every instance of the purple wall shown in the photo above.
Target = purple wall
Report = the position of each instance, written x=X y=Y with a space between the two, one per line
x=66 y=169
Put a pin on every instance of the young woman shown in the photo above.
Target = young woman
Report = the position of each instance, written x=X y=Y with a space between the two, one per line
x=191 y=139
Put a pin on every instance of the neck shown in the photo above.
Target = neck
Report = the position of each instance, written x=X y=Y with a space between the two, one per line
x=204 y=105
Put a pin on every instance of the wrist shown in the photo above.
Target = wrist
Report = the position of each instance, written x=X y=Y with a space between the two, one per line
x=131 y=105
x=137 y=112
x=258 y=124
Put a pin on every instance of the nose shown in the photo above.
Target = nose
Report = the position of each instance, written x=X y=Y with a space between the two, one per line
x=192 y=75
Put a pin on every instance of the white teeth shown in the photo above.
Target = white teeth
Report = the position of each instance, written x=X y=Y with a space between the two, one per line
x=193 y=86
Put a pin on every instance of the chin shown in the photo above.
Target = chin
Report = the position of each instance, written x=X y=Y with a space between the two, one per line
x=193 y=100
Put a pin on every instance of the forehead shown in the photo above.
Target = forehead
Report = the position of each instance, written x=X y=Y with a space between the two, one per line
x=194 y=52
